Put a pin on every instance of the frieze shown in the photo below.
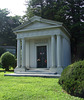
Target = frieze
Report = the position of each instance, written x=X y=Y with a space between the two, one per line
x=40 y=41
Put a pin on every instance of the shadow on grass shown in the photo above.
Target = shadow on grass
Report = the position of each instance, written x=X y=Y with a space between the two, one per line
x=7 y=71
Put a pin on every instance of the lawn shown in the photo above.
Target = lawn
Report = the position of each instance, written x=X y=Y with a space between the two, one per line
x=32 y=88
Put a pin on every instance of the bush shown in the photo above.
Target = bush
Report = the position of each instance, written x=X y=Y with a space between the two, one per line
x=7 y=60
x=0 y=65
x=2 y=50
x=72 y=79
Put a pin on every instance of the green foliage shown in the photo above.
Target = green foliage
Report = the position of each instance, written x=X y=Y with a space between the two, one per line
x=72 y=79
x=49 y=9
x=0 y=65
x=7 y=23
x=7 y=60
x=2 y=50
x=75 y=22
x=15 y=63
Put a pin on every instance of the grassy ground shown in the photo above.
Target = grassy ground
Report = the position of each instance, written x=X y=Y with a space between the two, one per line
x=32 y=88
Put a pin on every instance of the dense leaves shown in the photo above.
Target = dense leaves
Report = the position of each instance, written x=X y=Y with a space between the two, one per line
x=7 y=23
x=49 y=9
x=2 y=50
x=75 y=18
x=72 y=79
x=8 y=60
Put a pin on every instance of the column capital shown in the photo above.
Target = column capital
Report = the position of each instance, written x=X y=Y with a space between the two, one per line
x=18 y=38
x=23 y=38
x=59 y=34
x=53 y=35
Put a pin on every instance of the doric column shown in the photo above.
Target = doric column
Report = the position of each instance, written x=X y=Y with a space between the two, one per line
x=23 y=52
x=53 y=51
x=59 y=51
x=18 y=53
x=27 y=54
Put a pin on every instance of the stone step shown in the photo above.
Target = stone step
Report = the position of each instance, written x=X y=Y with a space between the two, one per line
x=35 y=72
x=34 y=75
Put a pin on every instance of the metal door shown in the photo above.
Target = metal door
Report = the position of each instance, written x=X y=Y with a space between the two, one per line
x=41 y=57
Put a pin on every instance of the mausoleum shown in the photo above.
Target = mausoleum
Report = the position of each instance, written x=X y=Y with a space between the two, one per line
x=42 y=43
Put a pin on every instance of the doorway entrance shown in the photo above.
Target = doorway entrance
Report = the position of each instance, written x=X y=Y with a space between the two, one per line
x=41 y=56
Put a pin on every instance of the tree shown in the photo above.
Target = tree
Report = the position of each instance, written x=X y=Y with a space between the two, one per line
x=49 y=9
x=75 y=23
x=7 y=23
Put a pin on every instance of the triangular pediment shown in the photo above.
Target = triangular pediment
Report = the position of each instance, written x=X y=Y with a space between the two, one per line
x=37 y=22
x=35 y=25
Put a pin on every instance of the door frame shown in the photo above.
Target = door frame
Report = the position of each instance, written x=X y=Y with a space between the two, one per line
x=36 y=53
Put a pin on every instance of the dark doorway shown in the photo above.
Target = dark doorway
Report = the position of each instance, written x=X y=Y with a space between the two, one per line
x=41 y=57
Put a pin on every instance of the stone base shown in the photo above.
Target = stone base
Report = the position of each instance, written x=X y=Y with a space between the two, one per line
x=53 y=70
x=57 y=70
x=16 y=70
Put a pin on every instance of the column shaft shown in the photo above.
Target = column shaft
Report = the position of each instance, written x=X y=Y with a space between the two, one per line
x=59 y=51
x=18 y=53
x=23 y=52
x=27 y=54
x=53 y=51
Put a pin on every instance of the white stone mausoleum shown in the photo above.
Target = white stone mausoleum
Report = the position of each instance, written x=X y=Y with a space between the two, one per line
x=42 y=43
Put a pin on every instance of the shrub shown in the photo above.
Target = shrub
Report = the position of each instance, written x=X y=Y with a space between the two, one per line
x=72 y=79
x=7 y=59
x=2 y=50
x=15 y=61
x=0 y=65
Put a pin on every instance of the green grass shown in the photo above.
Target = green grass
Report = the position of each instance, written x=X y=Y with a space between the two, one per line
x=32 y=88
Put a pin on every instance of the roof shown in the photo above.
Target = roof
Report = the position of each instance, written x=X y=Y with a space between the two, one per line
x=41 y=24
x=39 y=19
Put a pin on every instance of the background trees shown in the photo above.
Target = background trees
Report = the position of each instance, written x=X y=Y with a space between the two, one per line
x=75 y=18
x=7 y=23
